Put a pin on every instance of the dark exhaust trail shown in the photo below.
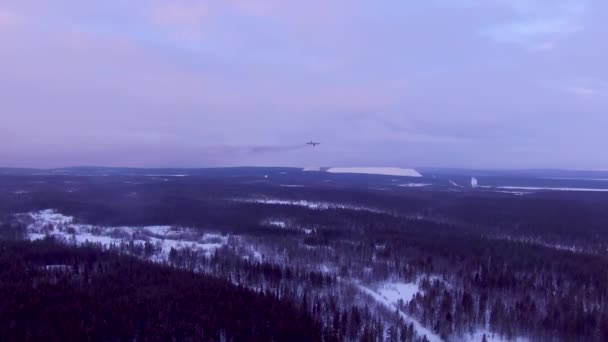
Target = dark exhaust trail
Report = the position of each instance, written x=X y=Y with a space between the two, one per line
x=276 y=148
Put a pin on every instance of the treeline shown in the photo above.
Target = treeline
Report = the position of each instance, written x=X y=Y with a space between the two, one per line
x=206 y=202
x=50 y=292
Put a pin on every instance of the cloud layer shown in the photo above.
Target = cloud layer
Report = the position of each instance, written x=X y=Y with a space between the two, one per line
x=463 y=83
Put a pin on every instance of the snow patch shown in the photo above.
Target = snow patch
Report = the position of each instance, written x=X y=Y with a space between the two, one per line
x=159 y=230
x=573 y=178
x=394 y=292
x=387 y=171
x=277 y=223
x=326 y=269
x=414 y=185
x=58 y=268
x=418 y=327
x=307 y=204
x=490 y=337
x=517 y=193
x=50 y=223
x=546 y=188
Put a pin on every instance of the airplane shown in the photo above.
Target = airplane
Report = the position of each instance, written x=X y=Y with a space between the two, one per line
x=312 y=143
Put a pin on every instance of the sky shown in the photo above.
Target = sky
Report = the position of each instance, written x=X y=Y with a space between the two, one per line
x=205 y=83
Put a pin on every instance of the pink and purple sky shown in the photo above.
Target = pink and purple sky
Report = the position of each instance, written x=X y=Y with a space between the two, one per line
x=198 y=83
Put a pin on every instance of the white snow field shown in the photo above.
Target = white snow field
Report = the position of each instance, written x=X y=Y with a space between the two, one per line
x=394 y=292
x=414 y=185
x=387 y=171
x=51 y=223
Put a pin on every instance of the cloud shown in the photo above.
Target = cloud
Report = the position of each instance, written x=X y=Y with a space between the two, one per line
x=225 y=82
x=185 y=18
x=583 y=91
x=532 y=21
x=546 y=46
x=9 y=18
x=277 y=148
x=523 y=31
x=579 y=88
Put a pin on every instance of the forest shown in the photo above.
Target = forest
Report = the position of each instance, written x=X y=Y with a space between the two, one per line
x=348 y=260
x=50 y=292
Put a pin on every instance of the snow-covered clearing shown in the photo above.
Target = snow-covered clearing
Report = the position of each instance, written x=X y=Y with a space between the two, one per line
x=395 y=292
x=490 y=337
x=388 y=295
x=574 y=178
x=277 y=223
x=540 y=242
x=41 y=224
x=545 y=188
x=387 y=171
x=517 y=193
x=308 y=204
x=414 y=185
x=58 y=268
x=327 y=269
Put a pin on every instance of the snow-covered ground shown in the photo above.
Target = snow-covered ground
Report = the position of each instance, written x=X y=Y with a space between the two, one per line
x=517 y=193
x=300 y=203
x=540 y=242
x=387 y=171
x=388 y=295
x=490 y=337
x=308 y=204
x=398 y=291
x=414 y=185
x=277 y=223
x=51 y=223
x=326 y=268
x=580 y=178
x=544 y=188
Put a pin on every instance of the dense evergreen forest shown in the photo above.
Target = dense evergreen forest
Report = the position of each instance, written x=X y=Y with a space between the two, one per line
x=340 y=260
x=50 y=292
